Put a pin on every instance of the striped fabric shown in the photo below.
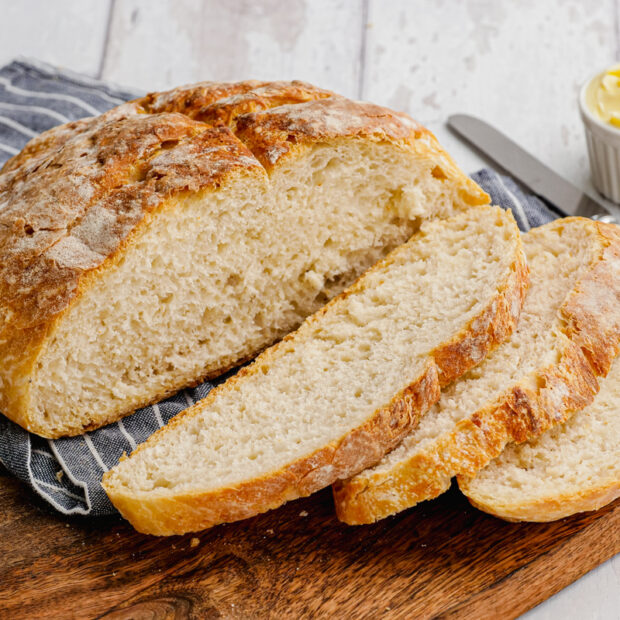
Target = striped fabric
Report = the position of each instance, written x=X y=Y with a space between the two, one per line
x=67 y=473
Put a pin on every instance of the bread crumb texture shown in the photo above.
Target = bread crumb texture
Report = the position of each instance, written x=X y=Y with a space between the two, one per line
x=177 y=235
x=568 y=333
x=333 y=397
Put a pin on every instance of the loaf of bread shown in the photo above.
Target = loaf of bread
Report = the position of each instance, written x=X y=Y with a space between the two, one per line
x=574 y=467
x=341 y=391
x=179 y=234
x=568 y=334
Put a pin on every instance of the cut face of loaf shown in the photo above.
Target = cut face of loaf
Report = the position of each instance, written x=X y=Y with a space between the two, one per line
x=178 y=235
x=571 y=468
x=568 y=332
x=335 y=395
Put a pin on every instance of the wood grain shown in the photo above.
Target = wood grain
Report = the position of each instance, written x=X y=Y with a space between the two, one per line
x=441 y=559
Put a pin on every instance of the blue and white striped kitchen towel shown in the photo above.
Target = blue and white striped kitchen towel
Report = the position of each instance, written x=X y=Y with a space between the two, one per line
x=67 y=473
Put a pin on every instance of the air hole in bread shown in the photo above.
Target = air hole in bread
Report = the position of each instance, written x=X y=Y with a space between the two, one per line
x=438 y=173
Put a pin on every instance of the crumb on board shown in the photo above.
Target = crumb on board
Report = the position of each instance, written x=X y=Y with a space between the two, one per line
x=269 y=531
x=194 y=542
x=303 y=513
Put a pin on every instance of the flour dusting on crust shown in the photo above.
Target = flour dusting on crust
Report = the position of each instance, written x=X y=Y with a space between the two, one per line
x=75 y=193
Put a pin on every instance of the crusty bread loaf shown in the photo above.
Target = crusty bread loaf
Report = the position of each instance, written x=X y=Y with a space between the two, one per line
x=574 y=467
x=568 y=333
x=178 y=235
x=335 y=395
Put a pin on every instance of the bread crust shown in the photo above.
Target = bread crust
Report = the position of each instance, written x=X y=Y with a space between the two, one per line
x=547 y=397
x=360 y=448
x=546 y=508
x=78 y=195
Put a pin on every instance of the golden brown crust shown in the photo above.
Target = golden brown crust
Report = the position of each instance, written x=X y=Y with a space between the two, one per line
x=530 y=407
x=592 y=310
x=40 y=147
x=221 y=102
x=278 y=132
x=487 y=331
x=41 y=281
x=548 y=508
x=73 y=199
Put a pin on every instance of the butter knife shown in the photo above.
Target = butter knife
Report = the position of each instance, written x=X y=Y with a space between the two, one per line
x=556 y=191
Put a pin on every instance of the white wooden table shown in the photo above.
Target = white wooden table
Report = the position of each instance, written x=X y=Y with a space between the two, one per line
x=517 y=64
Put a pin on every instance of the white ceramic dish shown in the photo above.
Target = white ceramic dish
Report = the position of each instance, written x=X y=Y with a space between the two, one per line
x=603 y=142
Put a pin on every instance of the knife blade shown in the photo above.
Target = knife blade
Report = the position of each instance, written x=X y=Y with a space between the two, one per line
x=536 y=176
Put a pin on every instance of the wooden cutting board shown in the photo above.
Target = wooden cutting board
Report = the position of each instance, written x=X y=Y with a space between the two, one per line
x=440 y=559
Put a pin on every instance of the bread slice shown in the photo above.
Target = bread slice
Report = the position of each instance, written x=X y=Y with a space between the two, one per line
x=574 y=467
x=568 y=333
x=178 y=235
x=338 y=393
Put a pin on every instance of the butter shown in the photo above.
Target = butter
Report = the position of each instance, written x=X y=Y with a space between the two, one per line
x=603 y=96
